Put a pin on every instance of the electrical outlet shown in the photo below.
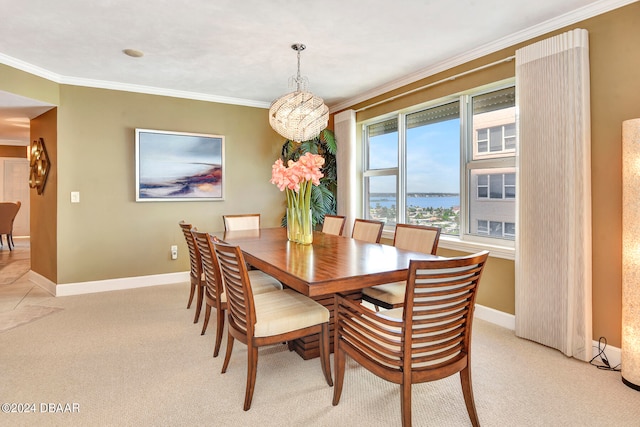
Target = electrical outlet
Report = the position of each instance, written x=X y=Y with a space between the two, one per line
x=174 y=252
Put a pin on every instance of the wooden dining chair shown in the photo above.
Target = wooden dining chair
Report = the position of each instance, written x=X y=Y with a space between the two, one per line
x=333 y=224
x=214 y=295
x=196 y=276
x=411 y=237
x=241 y=222
x=367 y=230
x=268 y=318
x=426 y=340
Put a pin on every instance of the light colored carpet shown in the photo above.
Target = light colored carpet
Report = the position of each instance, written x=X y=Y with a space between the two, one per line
x=135 y=358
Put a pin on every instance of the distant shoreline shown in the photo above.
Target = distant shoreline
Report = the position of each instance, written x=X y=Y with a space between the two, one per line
x=372 y=195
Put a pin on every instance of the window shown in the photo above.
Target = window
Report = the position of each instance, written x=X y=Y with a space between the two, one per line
x=450 y=164
x=496 y=228
x=496 y=139
x=496 y=186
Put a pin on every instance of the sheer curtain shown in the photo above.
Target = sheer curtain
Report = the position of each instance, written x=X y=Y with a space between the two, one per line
x=345 y=131
x=553 y=256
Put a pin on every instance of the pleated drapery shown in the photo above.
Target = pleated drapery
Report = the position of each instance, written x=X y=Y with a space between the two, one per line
x=553 y=240
x=345 y=132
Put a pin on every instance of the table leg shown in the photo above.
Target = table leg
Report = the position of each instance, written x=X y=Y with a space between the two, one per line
x=308 y=347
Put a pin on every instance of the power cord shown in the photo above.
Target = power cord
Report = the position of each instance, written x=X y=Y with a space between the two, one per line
x=602 y=345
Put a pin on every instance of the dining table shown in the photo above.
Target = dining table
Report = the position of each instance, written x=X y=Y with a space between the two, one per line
x=330 y=264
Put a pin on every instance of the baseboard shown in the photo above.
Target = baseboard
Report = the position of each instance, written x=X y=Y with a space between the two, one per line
x=107 y=285
x=42 y=281
x=492 y=315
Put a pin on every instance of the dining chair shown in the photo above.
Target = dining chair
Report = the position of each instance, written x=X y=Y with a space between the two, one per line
x=214 y=295
x=241 y=222
x=333 y=224
x=426 y=340
x=367 y=229
x=196 y=276
x=8 y=212
x=264 y=319
x=411 y=237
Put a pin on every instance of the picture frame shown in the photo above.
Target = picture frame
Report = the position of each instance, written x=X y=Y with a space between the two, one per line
x=178 y=166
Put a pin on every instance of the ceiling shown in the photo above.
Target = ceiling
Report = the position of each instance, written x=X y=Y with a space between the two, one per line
x=238 y=51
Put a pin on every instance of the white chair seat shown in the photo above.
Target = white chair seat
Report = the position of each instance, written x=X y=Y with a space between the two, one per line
x=286 y=311
x=260 y=283
x=390 y=293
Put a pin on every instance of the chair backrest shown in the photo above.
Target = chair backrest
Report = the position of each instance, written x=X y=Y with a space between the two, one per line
x=194 y=254
x=241 y=222
x=367 y=229
x=210 y=267
x=8 y=212
x=240 y=308
x=438 y=312
x=417 y=238
x=333 y=224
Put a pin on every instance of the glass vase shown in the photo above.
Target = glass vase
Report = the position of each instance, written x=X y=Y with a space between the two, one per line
x=299 y=226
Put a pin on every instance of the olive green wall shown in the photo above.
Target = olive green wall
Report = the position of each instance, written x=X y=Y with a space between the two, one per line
x=28 y=85
x=108 y=234
x=614 y=38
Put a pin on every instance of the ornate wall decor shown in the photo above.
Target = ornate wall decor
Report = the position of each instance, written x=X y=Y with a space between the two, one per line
x=40 y=165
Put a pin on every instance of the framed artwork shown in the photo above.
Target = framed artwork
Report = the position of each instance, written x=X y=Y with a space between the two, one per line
x=178 y=166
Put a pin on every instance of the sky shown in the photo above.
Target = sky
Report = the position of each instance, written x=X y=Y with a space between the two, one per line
x=433 y=158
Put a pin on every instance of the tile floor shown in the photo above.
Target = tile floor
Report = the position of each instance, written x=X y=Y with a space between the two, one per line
x=16 y=291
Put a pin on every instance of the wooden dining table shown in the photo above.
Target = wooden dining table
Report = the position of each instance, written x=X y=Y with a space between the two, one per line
x=331 y=264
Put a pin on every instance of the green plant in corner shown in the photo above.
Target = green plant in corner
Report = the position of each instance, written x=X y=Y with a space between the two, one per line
x=323 y=196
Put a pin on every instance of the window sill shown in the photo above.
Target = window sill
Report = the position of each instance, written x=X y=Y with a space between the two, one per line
x=454 y=244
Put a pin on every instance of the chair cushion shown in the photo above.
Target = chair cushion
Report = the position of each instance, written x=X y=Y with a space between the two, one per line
x=391 y=293
x=285 y=311
x=261 y=282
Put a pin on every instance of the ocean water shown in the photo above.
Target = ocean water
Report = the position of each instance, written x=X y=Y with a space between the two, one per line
x=422 y=202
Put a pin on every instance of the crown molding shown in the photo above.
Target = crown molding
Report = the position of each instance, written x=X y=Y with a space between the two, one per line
x=150 y=90
x=553 y=24
x=103 y=84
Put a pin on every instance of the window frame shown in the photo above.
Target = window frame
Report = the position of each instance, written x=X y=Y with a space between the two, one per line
x=506 y=158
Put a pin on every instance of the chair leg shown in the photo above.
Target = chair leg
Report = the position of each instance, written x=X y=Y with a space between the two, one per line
x=324 y=353
x=219 y=330
x=10 y=241
x=252 y=368
x=405 y=401
x=467 y=392
x=227 y=355
x=199 y=303
x=338 y=364
x=207 y=315
x=191 y=294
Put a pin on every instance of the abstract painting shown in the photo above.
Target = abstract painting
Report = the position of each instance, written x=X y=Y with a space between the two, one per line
x=179 y=166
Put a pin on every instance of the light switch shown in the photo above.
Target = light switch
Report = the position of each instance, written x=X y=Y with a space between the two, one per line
x=75 y=197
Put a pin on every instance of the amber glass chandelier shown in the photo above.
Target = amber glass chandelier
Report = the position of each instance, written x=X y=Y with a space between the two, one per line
x=298 y=115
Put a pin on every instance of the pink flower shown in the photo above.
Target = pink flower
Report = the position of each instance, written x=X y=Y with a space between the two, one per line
x=295 y=174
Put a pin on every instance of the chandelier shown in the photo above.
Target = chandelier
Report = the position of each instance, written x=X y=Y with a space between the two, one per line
x=299 y=115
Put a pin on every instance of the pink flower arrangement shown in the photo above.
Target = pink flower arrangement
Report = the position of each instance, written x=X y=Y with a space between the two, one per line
x=306 y=169
x=297 y=179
